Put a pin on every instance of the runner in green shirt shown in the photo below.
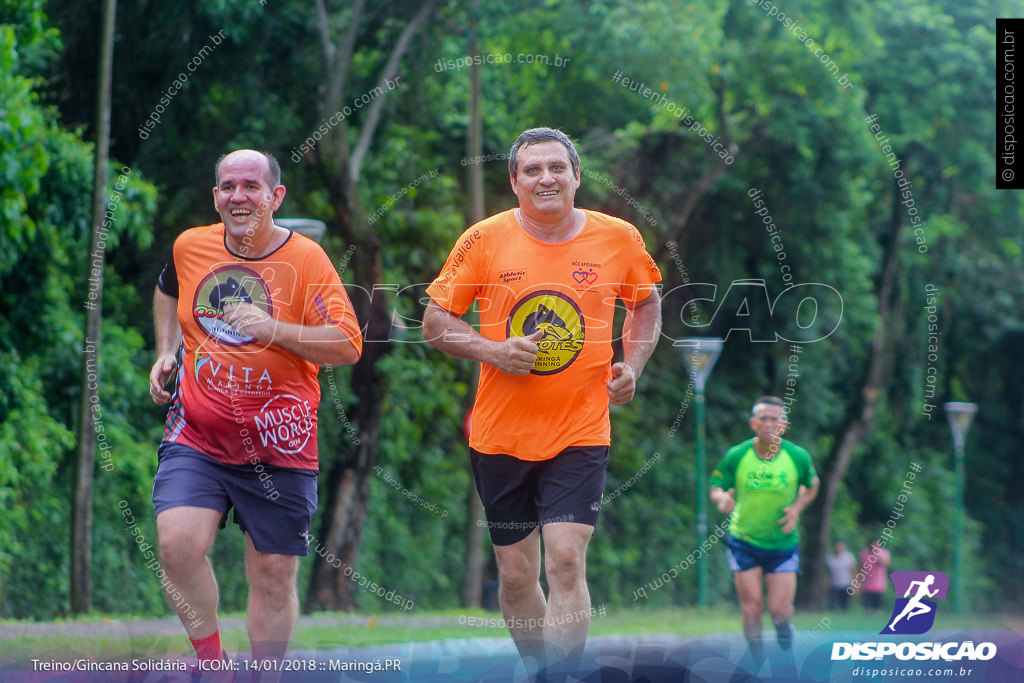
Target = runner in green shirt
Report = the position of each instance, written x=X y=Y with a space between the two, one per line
x=765 y=482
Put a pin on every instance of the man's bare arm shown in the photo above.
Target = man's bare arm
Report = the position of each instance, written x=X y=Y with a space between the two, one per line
x=168 y=337
x=640 y=332
x=454 y=336
x=320 y=344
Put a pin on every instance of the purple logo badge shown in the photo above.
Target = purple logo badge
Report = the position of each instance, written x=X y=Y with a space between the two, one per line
x=916 y=601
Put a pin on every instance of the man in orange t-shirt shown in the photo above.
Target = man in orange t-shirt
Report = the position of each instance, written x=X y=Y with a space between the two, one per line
x=258 y=308
x=546 y=277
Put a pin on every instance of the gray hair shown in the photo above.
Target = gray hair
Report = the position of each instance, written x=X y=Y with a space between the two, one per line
x=535 y=136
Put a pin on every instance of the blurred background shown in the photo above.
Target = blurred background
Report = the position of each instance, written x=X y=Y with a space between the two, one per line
x=864 y=129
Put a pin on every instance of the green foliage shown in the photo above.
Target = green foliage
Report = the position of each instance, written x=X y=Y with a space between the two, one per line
x=422 y=480
x=804 y=140
x=29 y=436
x=46 y=274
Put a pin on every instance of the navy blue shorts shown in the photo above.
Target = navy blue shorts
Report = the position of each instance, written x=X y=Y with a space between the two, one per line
x=744 y=556
x=521 y=495
x=274 y=510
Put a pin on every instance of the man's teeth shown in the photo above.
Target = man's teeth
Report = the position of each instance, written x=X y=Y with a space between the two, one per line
x=548 y=193
x=240 y=213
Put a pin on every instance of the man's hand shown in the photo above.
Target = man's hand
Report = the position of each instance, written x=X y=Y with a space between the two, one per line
x=249 y=319
x=790 y=517
x=726 y=501
x=519 y=354
x=622 y=384
x=791 y=513
x=161 y=373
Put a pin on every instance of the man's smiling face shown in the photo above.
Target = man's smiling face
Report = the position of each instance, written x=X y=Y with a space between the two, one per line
x=545 y=182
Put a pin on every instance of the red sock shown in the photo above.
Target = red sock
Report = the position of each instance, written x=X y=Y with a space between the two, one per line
x=209 y=648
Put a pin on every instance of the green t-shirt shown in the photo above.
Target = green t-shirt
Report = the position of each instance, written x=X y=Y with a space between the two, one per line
x=763 y=488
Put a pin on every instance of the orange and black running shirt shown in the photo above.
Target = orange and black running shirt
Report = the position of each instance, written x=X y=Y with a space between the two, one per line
x=239 y=400
x=569 y=291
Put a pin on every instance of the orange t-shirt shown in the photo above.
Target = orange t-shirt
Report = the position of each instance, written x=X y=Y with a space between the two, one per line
x=569 y=291
x=239 y=400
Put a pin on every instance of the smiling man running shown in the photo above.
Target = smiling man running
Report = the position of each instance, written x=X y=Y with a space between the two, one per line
x=546 y=276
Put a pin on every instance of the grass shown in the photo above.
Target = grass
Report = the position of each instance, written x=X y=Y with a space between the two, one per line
x=102 y=648
x=351 y=631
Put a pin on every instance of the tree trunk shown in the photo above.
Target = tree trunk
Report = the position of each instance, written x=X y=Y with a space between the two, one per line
x=81 y=512
x=861 y=420
x=472 y=588
x=348 y=482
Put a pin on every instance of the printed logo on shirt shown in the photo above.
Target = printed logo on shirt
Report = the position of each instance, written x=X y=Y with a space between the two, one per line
x=584 y=274
x=231 y=380
x=651 y=265
x=226 y=285
x=584 y=277
x=514 y=275
x=766 y=480
x=559 y=318
x=455 y=261
x=285 y=423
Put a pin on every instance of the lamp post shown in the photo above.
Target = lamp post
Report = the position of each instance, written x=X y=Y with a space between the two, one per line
x=960 y=416
x=699 y=356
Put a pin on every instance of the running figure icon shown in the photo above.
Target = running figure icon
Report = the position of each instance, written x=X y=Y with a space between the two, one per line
x=915 y=606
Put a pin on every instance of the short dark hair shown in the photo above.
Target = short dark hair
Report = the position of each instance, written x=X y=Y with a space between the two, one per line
x=766 y=401
x=273 y=175
x=535 y=136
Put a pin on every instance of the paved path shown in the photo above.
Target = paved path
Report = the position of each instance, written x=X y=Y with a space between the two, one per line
x=652 y=658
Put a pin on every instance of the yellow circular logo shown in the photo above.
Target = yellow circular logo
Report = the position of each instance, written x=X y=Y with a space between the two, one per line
x=559 y=318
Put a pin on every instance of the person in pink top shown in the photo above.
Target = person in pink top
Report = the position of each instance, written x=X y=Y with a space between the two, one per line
x=874 y=563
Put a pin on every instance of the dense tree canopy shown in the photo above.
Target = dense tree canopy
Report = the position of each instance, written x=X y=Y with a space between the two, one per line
x=686 y=113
